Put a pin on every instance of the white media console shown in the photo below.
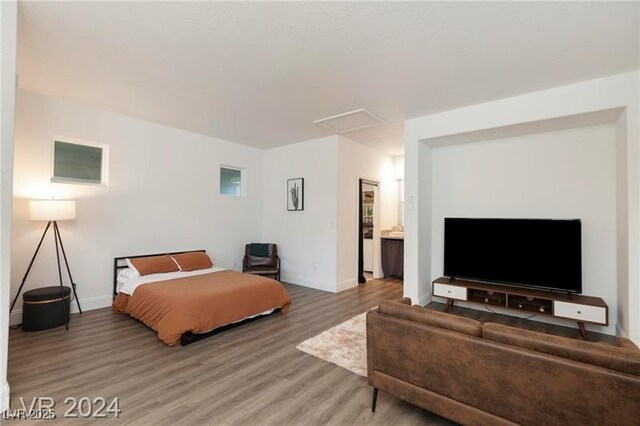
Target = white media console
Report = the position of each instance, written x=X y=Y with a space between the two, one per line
x=583 y=309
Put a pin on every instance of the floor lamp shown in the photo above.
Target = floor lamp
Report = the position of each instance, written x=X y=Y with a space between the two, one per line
x=52 y=211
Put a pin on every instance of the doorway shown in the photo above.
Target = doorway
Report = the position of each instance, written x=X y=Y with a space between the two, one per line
x=368 y=197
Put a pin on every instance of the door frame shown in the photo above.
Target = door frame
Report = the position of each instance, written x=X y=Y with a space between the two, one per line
x=377 y=267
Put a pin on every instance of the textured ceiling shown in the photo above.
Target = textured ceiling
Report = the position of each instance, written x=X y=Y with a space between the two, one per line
x=261 y=73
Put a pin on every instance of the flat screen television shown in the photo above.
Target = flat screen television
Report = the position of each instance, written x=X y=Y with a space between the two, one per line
x=537 y=253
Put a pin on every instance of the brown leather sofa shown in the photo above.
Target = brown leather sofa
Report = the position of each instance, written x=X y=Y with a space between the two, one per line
x=495 y=374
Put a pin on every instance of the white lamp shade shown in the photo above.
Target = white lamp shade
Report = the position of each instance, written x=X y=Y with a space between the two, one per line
x=52 y=210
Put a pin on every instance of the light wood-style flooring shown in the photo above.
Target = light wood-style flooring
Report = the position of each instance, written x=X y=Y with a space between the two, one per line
x=252 y=374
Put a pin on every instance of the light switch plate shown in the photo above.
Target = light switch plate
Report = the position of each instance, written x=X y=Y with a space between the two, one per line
x=409 y=202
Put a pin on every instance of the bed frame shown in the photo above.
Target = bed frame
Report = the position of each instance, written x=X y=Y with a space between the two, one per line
x=120 y=263
x=188 y=337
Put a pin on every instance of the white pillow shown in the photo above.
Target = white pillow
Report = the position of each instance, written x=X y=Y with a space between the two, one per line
x=125 y=275
x=132 y=268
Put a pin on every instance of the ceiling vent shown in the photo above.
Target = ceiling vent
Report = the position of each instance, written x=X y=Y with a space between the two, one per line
x=350 y=121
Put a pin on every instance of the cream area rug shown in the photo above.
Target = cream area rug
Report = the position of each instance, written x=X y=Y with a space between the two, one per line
x=344 y=345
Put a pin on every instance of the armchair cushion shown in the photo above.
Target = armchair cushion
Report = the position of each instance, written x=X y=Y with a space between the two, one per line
x=263 y=270
x=259 y=249
x=260 y=263
x=255 y=261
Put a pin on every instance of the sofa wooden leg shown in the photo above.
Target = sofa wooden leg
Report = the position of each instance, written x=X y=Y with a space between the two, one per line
x=375 y=399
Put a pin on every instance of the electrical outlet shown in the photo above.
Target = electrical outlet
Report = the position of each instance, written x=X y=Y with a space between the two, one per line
x=314 y=269
x=235 y=265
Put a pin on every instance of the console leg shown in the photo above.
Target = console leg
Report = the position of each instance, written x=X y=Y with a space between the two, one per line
x=583 y=331
x=375 y=399
x=449 y=305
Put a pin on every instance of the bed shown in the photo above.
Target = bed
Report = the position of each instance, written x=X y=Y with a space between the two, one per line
x=184 y=306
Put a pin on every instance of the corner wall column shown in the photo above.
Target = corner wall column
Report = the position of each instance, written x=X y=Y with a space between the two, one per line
x=8 y=30
x=417 y=259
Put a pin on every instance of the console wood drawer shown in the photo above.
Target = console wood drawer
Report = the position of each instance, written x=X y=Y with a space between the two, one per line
x=450 y=291
x=594 y=314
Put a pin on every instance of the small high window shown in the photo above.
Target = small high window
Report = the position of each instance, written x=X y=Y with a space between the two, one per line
x=79 y=162
x=232 y=181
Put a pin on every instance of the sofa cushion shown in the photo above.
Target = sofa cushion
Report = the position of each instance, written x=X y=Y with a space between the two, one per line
x=432 y=318
x=616 y=358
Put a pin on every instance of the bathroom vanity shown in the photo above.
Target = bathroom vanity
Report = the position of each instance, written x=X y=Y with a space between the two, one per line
x=392 y=252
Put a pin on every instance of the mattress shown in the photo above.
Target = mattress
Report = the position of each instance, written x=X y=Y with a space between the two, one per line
x=180 y=302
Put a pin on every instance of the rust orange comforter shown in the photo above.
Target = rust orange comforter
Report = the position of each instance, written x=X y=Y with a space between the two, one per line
x=201 y=303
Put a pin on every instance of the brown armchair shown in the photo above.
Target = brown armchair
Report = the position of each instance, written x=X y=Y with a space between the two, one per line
x=261 y=259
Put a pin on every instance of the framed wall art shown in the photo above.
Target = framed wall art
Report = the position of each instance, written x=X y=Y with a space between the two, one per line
x=295 y=194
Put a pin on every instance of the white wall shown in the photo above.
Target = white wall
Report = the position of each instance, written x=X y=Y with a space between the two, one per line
x=306 y=239
x=355 y=162
x=318 y=246
x=565 y=174
x=398 y=166
x=622 y=225
x=528 y=112
x=162 y=195
x=8 y=24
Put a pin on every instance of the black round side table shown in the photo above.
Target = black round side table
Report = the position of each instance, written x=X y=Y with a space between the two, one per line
x=42 y=308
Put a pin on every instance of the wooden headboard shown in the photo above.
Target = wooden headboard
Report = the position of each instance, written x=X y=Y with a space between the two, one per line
x=119 y=263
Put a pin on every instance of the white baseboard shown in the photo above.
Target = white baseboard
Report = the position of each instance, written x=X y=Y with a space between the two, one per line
x=345 y=285
x=620 y=331
x=424 y=300
x=87 y=304
x=4 y=397
x=306 y=282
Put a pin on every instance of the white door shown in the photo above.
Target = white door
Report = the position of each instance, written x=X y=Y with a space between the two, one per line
x=368 y=255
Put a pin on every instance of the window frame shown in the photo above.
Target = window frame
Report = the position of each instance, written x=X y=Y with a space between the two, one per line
x=104 y=165
x=243 y=181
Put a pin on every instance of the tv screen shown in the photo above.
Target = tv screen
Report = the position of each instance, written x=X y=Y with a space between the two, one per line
x=540 y=253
